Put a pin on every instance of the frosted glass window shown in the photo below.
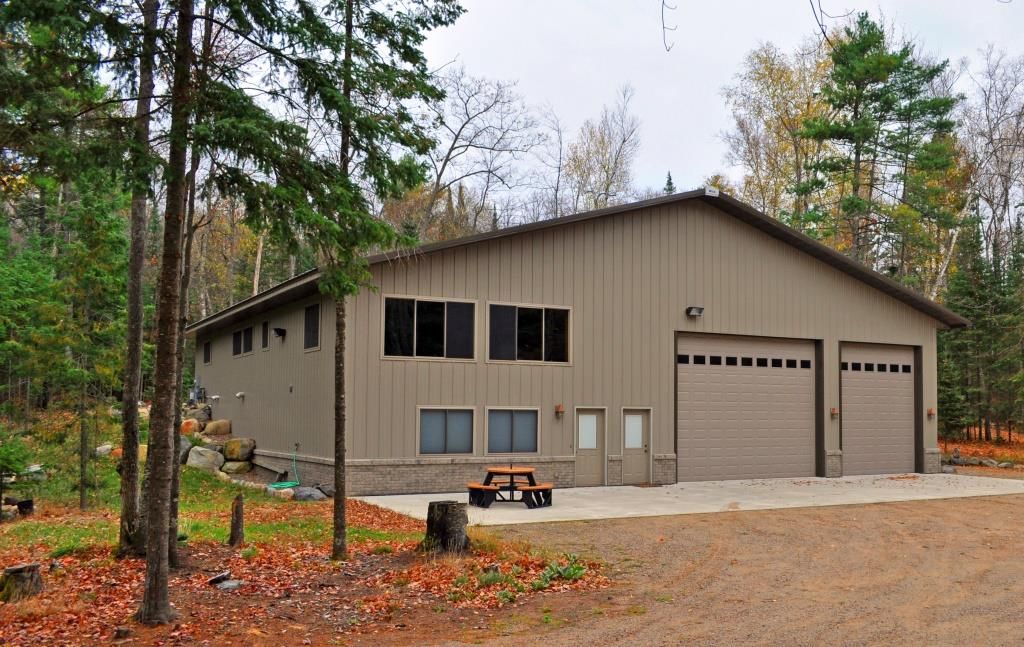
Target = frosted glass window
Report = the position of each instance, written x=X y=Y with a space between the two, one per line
x=634 y=431
x=588 y=431
x=446 y=431
x=511 y=431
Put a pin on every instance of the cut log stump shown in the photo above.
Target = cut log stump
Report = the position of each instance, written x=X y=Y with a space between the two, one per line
x=446 y=527
x=20 y=582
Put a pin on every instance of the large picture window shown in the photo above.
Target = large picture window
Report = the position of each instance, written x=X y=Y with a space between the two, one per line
x=446 y=431
x=512 y=431
x=311 y=327
x=425 y=328
x=523 y=333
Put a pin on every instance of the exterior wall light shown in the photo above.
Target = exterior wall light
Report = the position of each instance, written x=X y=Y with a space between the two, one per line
x=240 y=395
x=559 y=410
x=695 y=312
x=280 y=332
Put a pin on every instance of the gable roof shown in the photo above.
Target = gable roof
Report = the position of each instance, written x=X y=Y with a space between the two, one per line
x=305 y=284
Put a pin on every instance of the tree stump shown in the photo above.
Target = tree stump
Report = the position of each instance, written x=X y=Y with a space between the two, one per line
x=446 y=527
x=237 y=535
x=20 y=582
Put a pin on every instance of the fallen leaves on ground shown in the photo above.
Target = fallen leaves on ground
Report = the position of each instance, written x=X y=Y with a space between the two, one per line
x=1009 y=451
x=291 y=590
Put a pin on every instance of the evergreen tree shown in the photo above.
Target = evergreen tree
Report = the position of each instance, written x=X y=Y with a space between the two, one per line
x=670 y=186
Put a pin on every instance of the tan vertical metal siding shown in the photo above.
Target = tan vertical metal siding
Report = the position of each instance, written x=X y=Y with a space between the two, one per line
x=628 y=279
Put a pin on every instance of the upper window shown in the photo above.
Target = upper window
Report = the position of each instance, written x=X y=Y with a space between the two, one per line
x=522 y=333
x=311 y=327
x=446 y=431
x=241 y=341
x=265 y=335
x=512 y=431
x=207 y=352
x=422 y=328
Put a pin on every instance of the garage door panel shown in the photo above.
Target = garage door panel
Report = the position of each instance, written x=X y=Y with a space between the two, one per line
x=739 y=419
x=878 y=409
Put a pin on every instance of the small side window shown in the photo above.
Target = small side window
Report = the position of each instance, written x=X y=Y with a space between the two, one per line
x=236 y=342
x=311 y=327
x=207 y=352
x=265 y=335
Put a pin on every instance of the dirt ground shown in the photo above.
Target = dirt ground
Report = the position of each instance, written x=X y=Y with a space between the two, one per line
x=923 y=572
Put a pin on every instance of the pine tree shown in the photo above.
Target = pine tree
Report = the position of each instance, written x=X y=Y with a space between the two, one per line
x=670 y=186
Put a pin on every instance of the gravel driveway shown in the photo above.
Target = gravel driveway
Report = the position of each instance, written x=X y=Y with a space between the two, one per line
x=917 y=572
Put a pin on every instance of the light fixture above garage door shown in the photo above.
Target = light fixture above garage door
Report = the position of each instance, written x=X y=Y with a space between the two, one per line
x=695 y=312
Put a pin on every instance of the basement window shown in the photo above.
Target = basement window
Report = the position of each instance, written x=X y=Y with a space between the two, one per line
x=446 y=431
x=528 y=334
x=429 y=328
x=512 y=431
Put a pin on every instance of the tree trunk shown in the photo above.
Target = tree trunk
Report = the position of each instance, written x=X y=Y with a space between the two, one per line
x=339 y=548
x=237 y=535
x=156 y=608
x=130 y=539
x=20 y=582
x=83 y=456
x=446 y=527
x=258 y=265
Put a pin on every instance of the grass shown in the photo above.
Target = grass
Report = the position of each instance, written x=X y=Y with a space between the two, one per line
x=205 y=499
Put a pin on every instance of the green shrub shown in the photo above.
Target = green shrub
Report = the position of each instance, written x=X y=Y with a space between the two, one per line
x=572 y=569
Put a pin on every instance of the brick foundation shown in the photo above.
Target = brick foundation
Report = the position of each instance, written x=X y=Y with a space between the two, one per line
x=664 y=469
x=416 y=476
x=834 y=463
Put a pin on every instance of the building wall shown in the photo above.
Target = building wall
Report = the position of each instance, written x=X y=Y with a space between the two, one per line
x=627 y=279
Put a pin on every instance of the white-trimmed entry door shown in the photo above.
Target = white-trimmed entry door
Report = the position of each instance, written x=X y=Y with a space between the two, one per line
x=590 y=447
x=636 y=446
x=877 y=391
x=745 y=407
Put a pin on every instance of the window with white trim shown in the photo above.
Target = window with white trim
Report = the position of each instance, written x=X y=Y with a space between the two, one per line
x=526 y=333
x=512 y=431
x=429 y=328
x=446 y=431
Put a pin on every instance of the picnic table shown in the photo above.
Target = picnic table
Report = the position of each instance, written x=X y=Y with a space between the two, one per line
x=520 y=479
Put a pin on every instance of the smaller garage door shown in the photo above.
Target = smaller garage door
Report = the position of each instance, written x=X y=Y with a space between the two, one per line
x=877 y=409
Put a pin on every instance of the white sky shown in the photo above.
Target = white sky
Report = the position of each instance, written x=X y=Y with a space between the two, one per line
x=574 y=54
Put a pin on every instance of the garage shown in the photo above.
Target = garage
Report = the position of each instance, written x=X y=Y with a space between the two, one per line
x=877 y=394
x=744 y=407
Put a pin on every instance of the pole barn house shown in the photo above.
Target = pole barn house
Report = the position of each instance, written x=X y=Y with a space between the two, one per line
x=684 y=338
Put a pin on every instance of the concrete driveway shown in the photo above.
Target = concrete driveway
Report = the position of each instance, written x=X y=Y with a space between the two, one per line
x=574 y=504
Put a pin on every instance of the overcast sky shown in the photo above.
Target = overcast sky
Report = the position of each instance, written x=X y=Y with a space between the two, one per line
x=574 y=54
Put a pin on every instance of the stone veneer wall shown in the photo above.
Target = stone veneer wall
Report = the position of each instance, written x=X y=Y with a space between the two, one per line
x=834 y=463
x=932 y=460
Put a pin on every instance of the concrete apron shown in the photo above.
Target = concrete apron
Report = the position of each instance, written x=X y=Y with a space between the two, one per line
x=572 y=504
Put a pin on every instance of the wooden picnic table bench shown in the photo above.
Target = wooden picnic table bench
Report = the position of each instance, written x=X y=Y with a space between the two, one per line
x=520 y=479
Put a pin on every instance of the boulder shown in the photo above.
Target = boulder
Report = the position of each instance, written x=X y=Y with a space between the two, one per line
x=327 y=489
x=239 y=449
x=948 y=469
x=308 y=494
x=200 y=414
x=205 y=459
x=988 y=462
x=103 y=450
x=1006 y=465
x=972 y=460
x=230 y=585
x=286 y=493
x=236 y=467
x=186 y=446
x=117 y=453
x=218 y=428
x=189 y=426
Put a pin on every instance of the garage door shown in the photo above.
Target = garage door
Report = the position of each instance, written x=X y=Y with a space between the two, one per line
x=877 y=409
x=745 y=407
